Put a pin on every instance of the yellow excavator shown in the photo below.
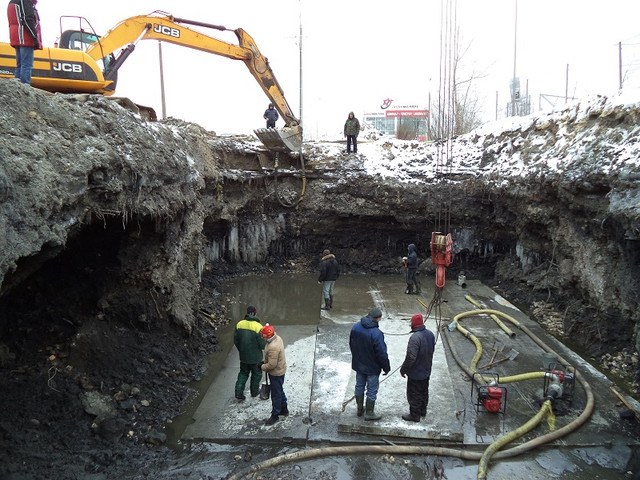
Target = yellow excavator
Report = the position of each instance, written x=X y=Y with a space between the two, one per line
x=83 y=62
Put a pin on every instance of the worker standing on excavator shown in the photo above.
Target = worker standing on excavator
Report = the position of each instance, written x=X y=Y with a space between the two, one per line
x=271 y=115
x=25 y=35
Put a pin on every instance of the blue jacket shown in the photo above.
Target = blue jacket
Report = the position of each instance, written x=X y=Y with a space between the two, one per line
x=417 y=362
x=368 y=350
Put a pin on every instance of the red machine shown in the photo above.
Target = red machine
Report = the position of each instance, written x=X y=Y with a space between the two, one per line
x=441 y=255
x=492 y=398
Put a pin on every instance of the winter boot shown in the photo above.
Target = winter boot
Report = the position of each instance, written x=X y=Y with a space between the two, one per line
x=284 y=411
x=271 y=420
x=368 y=411
x=240 y=396
x=410 y=418
x=330 y=301
x=360 y=403
x=408 y=289
x=326 y=304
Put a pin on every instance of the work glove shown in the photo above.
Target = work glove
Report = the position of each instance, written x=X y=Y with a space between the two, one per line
x=402 y=374
x=385 y=372
x=36 y=44
x=319 y=283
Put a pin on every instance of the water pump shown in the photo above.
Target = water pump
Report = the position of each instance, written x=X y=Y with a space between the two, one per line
x=492 y=397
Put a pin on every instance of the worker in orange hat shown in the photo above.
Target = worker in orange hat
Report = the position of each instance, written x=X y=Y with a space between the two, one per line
x=417 y=367
x=275 y=364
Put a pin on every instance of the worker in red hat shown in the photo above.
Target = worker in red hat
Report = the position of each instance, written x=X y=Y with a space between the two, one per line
x=417 y=367
x=275 y=364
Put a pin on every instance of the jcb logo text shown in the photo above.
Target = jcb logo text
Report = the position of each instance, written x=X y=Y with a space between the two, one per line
x=67 y=67
x=168 y=31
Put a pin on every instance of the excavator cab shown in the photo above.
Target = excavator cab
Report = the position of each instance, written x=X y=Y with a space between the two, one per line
x=80 y=40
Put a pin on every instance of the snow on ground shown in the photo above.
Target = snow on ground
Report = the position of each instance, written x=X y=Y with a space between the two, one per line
x=582 y=136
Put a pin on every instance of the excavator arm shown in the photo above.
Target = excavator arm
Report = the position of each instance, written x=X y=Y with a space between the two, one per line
x=74 y=69
x=166 y=28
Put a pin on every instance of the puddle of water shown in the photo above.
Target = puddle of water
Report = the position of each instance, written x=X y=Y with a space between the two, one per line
x=280 y=298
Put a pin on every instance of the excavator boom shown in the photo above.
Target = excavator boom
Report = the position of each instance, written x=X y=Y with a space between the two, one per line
x=74 y=71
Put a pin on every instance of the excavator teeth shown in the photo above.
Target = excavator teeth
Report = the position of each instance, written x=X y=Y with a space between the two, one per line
x=287 y=139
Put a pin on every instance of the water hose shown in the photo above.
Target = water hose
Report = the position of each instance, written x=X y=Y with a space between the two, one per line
x=545 y=410
x=500 y=323
x=442 y=451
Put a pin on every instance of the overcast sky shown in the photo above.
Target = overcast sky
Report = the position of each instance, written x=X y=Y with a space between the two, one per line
x=356 y=54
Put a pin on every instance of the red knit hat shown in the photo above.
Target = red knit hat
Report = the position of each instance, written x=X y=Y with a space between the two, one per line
x=267 y=331
x=416 y=320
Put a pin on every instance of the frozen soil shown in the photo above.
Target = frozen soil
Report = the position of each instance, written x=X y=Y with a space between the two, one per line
x=118 y=235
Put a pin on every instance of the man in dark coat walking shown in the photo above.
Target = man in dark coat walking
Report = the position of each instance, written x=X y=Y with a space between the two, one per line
x=329 y=273
x=368 y=358
x=417 y=367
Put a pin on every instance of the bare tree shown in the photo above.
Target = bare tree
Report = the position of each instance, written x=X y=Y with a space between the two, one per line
x=462 y=112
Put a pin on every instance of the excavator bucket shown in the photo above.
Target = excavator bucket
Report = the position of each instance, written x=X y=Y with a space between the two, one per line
x=287 y=139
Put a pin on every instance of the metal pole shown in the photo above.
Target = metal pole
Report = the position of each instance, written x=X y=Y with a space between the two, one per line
x=300 y=21
x=566 y=86
x=496 y=104
x=164 y=106
x=620 y=65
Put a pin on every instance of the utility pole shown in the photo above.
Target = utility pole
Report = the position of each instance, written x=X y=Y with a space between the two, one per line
x=300 y=21
x=164 y=106
x=620 y=65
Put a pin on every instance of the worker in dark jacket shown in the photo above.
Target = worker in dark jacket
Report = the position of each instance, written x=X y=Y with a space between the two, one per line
x=250 y=344
x=411 y=264
x=417 y=367
x=368 y=358
x=271 y=115
x=351 y=131
x=24 y=35
x=329 y=273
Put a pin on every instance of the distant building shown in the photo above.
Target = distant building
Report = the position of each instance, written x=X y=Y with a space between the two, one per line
x=399 y=119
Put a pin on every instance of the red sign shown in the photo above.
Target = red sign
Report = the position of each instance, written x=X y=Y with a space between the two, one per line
x=407 y=113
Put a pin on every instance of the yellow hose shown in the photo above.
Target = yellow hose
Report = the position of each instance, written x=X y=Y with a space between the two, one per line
x=450 y=452
x=476 y=358
x=500 y=323
x=545 y=410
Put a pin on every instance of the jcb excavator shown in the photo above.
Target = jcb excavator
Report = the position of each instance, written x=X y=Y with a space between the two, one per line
x=84 y=62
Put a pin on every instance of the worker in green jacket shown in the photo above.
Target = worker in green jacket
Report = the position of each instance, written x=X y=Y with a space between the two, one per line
x=250 y=345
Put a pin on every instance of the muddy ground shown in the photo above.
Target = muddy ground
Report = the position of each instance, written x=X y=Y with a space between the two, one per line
x=93 y=401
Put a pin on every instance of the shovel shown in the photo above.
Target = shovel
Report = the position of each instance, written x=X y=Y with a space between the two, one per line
x=265 y=388
x=510 y=355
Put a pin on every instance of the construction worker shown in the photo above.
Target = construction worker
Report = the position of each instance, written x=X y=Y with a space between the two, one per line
x=250 y=344
x=417 y=367
x=24 y=35
x=411 y=266
x=329 y=273
x=275 y=364
x=271 y=115
x=368 y=358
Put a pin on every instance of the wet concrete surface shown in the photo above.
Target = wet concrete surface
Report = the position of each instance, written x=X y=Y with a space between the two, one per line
x=319 y=381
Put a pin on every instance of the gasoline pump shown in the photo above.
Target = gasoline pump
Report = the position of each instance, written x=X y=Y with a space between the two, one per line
x=559 y=382
x=490 y=398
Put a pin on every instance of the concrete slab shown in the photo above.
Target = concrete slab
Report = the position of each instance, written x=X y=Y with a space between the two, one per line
x=221 y=417
x=320 y=379
x=440 y=422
